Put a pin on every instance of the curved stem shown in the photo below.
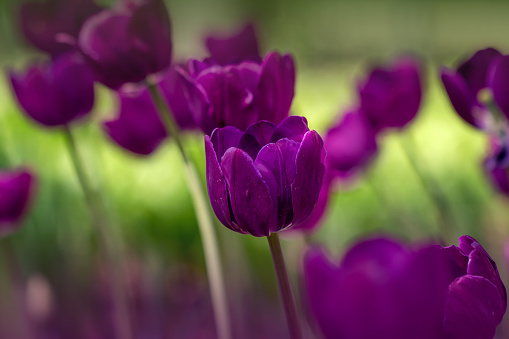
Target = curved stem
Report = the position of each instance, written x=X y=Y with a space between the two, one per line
x=284 y=286
x=108 y=244
x=205 y=223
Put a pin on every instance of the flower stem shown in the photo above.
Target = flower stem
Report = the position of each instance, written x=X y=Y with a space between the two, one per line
x=431 y=187
x=205 y=223
x=284 y=286
x=108 y=244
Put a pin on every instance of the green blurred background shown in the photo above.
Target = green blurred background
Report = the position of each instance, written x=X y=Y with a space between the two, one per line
x=334 y=42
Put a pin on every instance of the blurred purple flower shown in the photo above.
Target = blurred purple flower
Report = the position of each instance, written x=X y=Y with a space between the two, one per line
x=267 y=178
x=496 y=163
x=498 y=80
x=464 y=84
x=351 y=144
x=390 y=97
x=383 y=289
x=234 y=49
x=45 y=24
x=55 y=93
x=15 y=190
x=239 y=95
x=138 y=127
x=125 y=45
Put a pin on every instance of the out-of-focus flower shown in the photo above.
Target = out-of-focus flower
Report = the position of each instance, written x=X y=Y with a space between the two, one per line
x=498 y=80
x=55 y=93
x=383 y=289
x=125 y=45
x=496 y=163
x=234 y=49
x=45 y=24
x=15 y=191
x=138 y=127
x=351 y=144
x=390 y=97
x=267 y=178
x=240 y=95
x=464 y=84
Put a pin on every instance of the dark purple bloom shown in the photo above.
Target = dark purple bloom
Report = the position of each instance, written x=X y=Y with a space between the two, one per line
x=351 y=144
x=390 y=97
x=234 y=49
x=496 y=163
x=240 y=95
x=15 y=191
x=498 y=80
x=46 y=23
x=383 y=289
x=55 y=93
x=125 y=45
x=267 y=178
x=138 y=127
x=464 y=84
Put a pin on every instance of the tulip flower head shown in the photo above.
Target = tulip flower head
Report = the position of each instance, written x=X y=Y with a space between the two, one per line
x=234 y=49
x=57 y=92
x=125 y=45
x=383 y=289
x=267 y=178
x=15 y=190
x=390 y=97
x=242 y=94
x=45 y=24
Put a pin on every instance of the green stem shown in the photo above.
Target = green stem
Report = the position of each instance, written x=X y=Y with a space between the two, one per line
x=108 y=244
x=431 y=187
x=284 y=286
x=205 y=223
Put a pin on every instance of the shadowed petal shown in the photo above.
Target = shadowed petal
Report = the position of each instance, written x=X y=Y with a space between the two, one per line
x=256 y=136
x=499 y=83
x=224 y=138
x=293 y=128
x=249 y=195
x=15 y=191
x=475 y=70
x=240 y=47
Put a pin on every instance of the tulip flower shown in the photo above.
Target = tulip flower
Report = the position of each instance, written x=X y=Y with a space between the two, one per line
x=464 y=85
x=55 y=93
x=125 y=45
x=15 y=190
x=496 y=164
x=267 y=178
x=383 y=289
x=390 y=97
x=45 y=24
x=234 y=49
x=138 y=127
x=240 y=95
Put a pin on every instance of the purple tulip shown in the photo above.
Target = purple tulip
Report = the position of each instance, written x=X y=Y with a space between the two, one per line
x=464 y=84
x=351 y=144
x=498 y=80
x=497 y=164
x=267 y=178
x=234 y=49
x=240 y=95
x=125 y=45
x=46 y=24
x=383 y=289
x=138 y=127
x=55 y=93
x=15 y=191
x=390 y=97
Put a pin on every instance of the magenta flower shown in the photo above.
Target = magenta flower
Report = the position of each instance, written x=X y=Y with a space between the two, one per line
x=45 y=24
x=383 y=289
x=234 y=49
x=351 y=144
x=267 y=178
x=55 y=93
x=15 y=190
x=390 y=98
x=138 y=127
x=125 y=45
x=240 y=95
x=464 y=84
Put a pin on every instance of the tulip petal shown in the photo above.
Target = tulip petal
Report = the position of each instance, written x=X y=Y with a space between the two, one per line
x=237 y=48
x=224 y=138
x=276 y=163
x=250 y=197
x=499 y=83
x=309 y=176
x=475 y=70
x=255 y=137
x=276 y=87
x=473 y=308
x=293 y=128
x=15 y=191
x=216 y=186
